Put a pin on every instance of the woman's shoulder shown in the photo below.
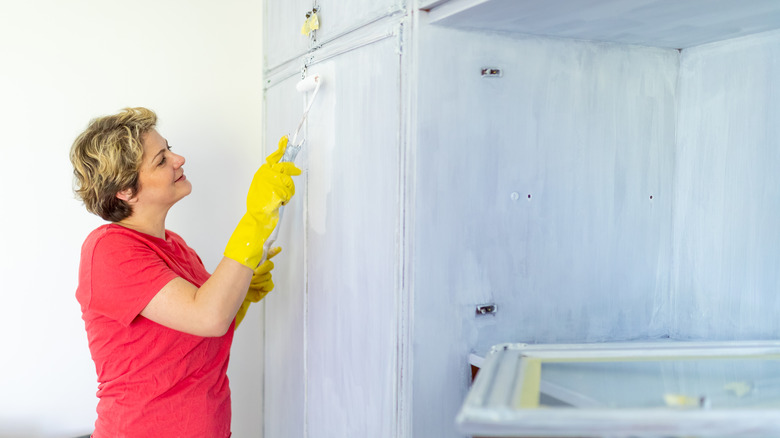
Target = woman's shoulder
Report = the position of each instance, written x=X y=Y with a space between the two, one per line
x=113 y=234
x=109 y=231
x=96 y=235
x=113 y=238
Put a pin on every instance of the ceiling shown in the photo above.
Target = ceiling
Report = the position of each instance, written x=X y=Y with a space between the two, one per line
x=674 y=24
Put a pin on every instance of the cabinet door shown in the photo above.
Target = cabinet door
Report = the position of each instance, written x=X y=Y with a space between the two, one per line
x=284 y=306
x=352 y=227
x=282 y=30
x=429 y=4
x=339 y=16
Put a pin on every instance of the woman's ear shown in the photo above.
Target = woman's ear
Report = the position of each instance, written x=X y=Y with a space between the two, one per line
x=125 y=195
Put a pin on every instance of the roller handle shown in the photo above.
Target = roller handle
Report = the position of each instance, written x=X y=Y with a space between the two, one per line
x=292 y=149
x=290 y=152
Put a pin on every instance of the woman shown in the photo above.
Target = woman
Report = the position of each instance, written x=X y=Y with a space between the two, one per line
x=159 y=325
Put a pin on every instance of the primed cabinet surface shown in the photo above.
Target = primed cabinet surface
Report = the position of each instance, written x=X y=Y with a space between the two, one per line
x=332 y=336
x=284 y=306
x=727 y=186
x=583 y=135
x=283 y=38
x=339 y=16
x=651 y=23
x=351 y=233
x=594 y=192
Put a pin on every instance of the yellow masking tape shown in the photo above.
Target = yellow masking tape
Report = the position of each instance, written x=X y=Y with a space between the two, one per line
x=312 y=23
x=528 y=398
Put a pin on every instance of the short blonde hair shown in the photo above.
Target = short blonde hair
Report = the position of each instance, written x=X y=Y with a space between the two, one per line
x=106 y=159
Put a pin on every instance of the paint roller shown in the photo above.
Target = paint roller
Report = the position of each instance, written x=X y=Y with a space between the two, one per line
x=305 y=85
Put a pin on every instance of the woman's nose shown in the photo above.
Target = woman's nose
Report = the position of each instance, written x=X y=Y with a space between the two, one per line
x=178 y=160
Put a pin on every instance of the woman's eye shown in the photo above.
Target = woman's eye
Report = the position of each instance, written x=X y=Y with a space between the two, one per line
x=162 y=161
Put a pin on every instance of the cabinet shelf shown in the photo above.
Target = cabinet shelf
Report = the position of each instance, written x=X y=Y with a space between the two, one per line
x=656 y=23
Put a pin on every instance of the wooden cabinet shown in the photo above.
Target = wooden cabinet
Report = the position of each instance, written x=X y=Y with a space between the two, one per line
x=591 y=190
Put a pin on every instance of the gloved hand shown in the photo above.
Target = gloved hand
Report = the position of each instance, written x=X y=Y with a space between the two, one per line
x=260 y=285
x=272 y=187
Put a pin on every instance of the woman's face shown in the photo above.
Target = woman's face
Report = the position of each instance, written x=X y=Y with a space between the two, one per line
x=161 y=180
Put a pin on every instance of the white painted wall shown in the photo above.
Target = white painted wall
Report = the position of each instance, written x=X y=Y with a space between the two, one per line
x=199 y=65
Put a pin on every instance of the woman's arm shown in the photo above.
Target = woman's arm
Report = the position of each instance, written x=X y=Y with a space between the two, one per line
x=210 y=309
x=207 y=311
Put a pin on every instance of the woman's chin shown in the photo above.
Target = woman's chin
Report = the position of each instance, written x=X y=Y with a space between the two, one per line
x=186 y=188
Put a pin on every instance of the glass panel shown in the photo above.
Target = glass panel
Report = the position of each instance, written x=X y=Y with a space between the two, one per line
x=715 y=383
x=712 y=389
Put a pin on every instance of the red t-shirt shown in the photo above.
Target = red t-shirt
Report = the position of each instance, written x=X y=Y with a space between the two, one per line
x=152 y=381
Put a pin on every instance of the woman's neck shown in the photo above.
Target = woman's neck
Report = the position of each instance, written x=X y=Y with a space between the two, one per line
x=151 y=226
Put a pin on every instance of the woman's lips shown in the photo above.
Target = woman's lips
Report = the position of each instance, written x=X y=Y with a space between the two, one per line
x=181 y=178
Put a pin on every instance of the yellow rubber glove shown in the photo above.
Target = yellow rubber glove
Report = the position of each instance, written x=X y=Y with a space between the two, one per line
x=260 y=285
x=272 y=187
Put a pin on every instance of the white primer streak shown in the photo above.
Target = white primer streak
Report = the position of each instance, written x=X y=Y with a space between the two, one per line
x=320 y=149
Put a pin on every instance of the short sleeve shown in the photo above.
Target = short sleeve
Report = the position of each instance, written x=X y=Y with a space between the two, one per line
x=126 y=273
